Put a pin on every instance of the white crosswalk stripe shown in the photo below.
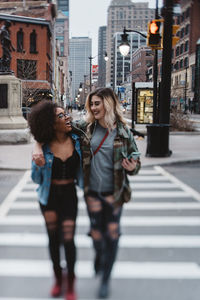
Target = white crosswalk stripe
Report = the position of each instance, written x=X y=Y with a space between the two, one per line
x=158 y=198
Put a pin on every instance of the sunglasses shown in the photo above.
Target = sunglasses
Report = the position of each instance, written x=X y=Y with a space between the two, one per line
x=62 y=115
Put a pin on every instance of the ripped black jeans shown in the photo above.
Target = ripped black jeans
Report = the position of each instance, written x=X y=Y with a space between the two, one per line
x=104 y=229
x=60 y=217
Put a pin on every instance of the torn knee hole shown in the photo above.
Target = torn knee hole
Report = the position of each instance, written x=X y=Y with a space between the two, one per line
x=96 y=235
x=113 y=231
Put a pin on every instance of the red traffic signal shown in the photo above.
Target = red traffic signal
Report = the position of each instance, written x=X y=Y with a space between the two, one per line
x=154 y=36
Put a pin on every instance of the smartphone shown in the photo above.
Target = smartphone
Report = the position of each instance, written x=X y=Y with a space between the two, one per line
x=134 y=155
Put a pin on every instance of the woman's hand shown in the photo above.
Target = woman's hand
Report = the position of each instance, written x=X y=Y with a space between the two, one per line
x=129 y=165
x=37 y=155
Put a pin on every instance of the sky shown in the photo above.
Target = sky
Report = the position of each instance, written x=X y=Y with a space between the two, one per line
x=86 y=16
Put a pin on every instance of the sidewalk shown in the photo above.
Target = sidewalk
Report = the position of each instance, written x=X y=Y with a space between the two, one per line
x=185 y=148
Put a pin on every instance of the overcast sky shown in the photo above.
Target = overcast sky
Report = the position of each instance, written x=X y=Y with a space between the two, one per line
x=86 y=16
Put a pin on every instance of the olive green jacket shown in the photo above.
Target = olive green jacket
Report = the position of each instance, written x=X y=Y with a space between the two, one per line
x=124 y=145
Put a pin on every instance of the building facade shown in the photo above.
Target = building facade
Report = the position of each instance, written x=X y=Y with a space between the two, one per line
x=124 y=13
x=32 y=60
x=101 y=60
x=80 y=48
x=184 y=55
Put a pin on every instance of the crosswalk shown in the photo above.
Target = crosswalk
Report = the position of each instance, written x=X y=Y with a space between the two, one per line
x=160 y=239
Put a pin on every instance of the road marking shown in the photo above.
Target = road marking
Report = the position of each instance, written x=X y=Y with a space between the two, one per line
x=8 y=201
x=121 y=270
x=126 y=241
x=141 y=194
x=129 y=206
x=125 y=221
x=182 y=185
x=149 y=178
x=153 y=185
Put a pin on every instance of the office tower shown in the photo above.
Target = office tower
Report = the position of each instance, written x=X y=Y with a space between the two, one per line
x=80 y=48
x=101 y=54
x=63 y=5
x=124 y=13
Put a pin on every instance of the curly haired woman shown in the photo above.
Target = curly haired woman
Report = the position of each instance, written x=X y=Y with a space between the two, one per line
x=51 y=126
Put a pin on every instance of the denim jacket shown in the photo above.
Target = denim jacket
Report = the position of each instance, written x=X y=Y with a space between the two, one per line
x=42 y=175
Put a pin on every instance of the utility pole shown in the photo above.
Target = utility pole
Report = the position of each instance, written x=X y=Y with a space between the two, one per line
x=155 y=77
x=165 y=93
x=90 y=58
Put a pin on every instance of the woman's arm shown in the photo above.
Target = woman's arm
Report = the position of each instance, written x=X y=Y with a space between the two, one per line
x=36 y=173
x=131 y=165
x=37 y=155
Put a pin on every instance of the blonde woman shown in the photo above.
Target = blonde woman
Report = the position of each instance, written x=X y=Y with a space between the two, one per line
x=109 y=153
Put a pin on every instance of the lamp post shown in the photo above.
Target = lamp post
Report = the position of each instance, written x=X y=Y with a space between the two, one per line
x=185 y=91
x=91 y=58
x=124 y=49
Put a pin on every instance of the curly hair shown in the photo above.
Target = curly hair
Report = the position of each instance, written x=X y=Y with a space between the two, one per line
x=41 y=121
x=113 y=111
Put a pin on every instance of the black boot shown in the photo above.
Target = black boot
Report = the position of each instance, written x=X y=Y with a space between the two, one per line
x=110 y=255
x=99 y=256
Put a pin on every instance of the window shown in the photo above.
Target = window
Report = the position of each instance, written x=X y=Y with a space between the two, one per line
x=20 y=41
x=26 y=69
x=181 y=48
x=33 y=37
x=182 y=32
x=186 y=46
x=177 y=51
x=187 y=29
x=181 y=63
x=186 y=62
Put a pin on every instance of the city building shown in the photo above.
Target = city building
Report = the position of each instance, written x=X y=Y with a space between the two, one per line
x=142 y=59
x=80 y=48
x=101 y=53
x=124 y=13
x=62 y=37
x=32 y=60
x=184 y=57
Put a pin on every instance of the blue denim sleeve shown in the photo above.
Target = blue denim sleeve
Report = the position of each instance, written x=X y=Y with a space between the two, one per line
x=36 y=173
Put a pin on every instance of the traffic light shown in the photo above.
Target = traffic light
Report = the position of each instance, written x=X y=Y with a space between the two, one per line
x=154 y=37
x=175 y=38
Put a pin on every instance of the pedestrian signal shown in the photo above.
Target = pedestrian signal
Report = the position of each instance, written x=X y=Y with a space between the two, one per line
x=175 y=38
x=154 y=37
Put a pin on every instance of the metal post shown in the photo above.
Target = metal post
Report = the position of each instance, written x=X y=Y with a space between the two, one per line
x=158 y=134
x=155 y=77
x=166 y=64
x=185 y=91
x=133 y=103
x=90 y=58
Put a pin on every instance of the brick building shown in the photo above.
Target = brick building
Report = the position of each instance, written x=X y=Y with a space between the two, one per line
x=32 y=59
x=184 y=54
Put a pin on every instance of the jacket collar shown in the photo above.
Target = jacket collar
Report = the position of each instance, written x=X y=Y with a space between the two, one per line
x=121 y=130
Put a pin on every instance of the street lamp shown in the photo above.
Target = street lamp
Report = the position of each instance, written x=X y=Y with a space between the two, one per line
x=106 y=58
x=124 y=49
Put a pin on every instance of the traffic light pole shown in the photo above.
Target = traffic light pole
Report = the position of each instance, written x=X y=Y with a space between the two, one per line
x=155 y=77
x=165 y=93
x=158 y=134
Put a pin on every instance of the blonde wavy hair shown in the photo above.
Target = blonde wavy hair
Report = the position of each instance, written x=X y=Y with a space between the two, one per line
x=112 y=108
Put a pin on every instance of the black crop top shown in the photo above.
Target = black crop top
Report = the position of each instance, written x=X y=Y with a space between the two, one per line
x=65 y=169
